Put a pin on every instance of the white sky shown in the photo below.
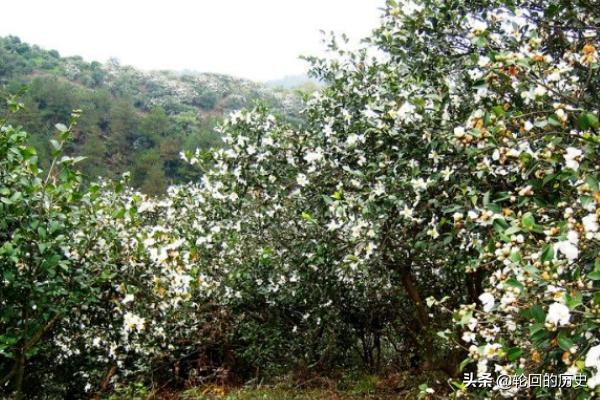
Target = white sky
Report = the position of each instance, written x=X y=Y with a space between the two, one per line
x=255 y=39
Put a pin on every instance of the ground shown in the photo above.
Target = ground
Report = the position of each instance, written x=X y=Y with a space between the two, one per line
x=399 y=386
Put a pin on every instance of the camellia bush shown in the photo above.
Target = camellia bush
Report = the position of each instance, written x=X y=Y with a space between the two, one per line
x=437 y=210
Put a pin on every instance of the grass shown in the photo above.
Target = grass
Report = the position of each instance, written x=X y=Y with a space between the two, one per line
x=400 y=386
x=274 y=393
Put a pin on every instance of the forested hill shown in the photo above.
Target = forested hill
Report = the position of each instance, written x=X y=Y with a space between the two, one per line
x=132 y=120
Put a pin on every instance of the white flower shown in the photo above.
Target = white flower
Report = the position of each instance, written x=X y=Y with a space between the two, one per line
x=572 y=158
x=459 y=131
x=491 y=350
x=446 y=173
x=540 y=91
x=379 y=189
x=573 y=237
x=333 y=225
x=478 y=27
x=410 y=7
x=590 y=223
x=146 y=206
x=483 y=61
x=128 y=299
x=302 y=180
x=528 y=126
x=433 y=232
x=314 y=156
x=468 y=337
x=487 y=300
x=352 y=139
x=592 y=358
x=569 y=247
x=419 y=184
x=407 y=212
x=406 y=112
x=370 y=249
x=133 y=322
x=558 y=314
x=561 y=114
x=593 y=381
x=473 y=323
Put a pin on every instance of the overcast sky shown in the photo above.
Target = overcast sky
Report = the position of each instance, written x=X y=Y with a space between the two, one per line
x=256 y=39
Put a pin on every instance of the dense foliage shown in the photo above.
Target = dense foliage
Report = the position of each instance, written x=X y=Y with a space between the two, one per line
x=132 y=120
x=438 y=210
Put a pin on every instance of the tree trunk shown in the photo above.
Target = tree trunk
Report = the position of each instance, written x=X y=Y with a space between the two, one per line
x=422 y=312
x=413 y=294
x=20 y=372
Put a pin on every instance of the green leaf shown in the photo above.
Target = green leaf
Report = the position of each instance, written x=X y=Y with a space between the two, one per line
x=307 y=217
x=512 y=230
x=528 y=221
x=592 y=183
x=499 y=111
x=547 y=253
x=564 y=342
x=535 y=328
x=574 y=300
x=595 y=275
x=464 y=363
x=553 y=120
x=537 y=313
x=587 y=120
x=55 y=144
x=500 y=225
x=515 y=283
x=514 y=353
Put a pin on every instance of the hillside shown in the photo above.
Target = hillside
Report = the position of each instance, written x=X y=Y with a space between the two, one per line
x=132 y=120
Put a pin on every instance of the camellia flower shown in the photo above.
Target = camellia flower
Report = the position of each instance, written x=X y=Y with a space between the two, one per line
x=590 y=223
x=487 y=300
x=302 y=180
x=433 y=232
x=133 y=322
x=593 y=381
x=407 y=212
x=314 y=156
x=572 y=158
x=478 y=27
x=558 y=314
x=561 y=114
x=128 y=298
x=468 y=337
x=491 y=350
x=569 y=247
x=410 y=7
x=459 y=131
x=407 y=112
x=592 y=360
x=419 y=184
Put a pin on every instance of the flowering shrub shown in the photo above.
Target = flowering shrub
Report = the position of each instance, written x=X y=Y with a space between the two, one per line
x=439 y=205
